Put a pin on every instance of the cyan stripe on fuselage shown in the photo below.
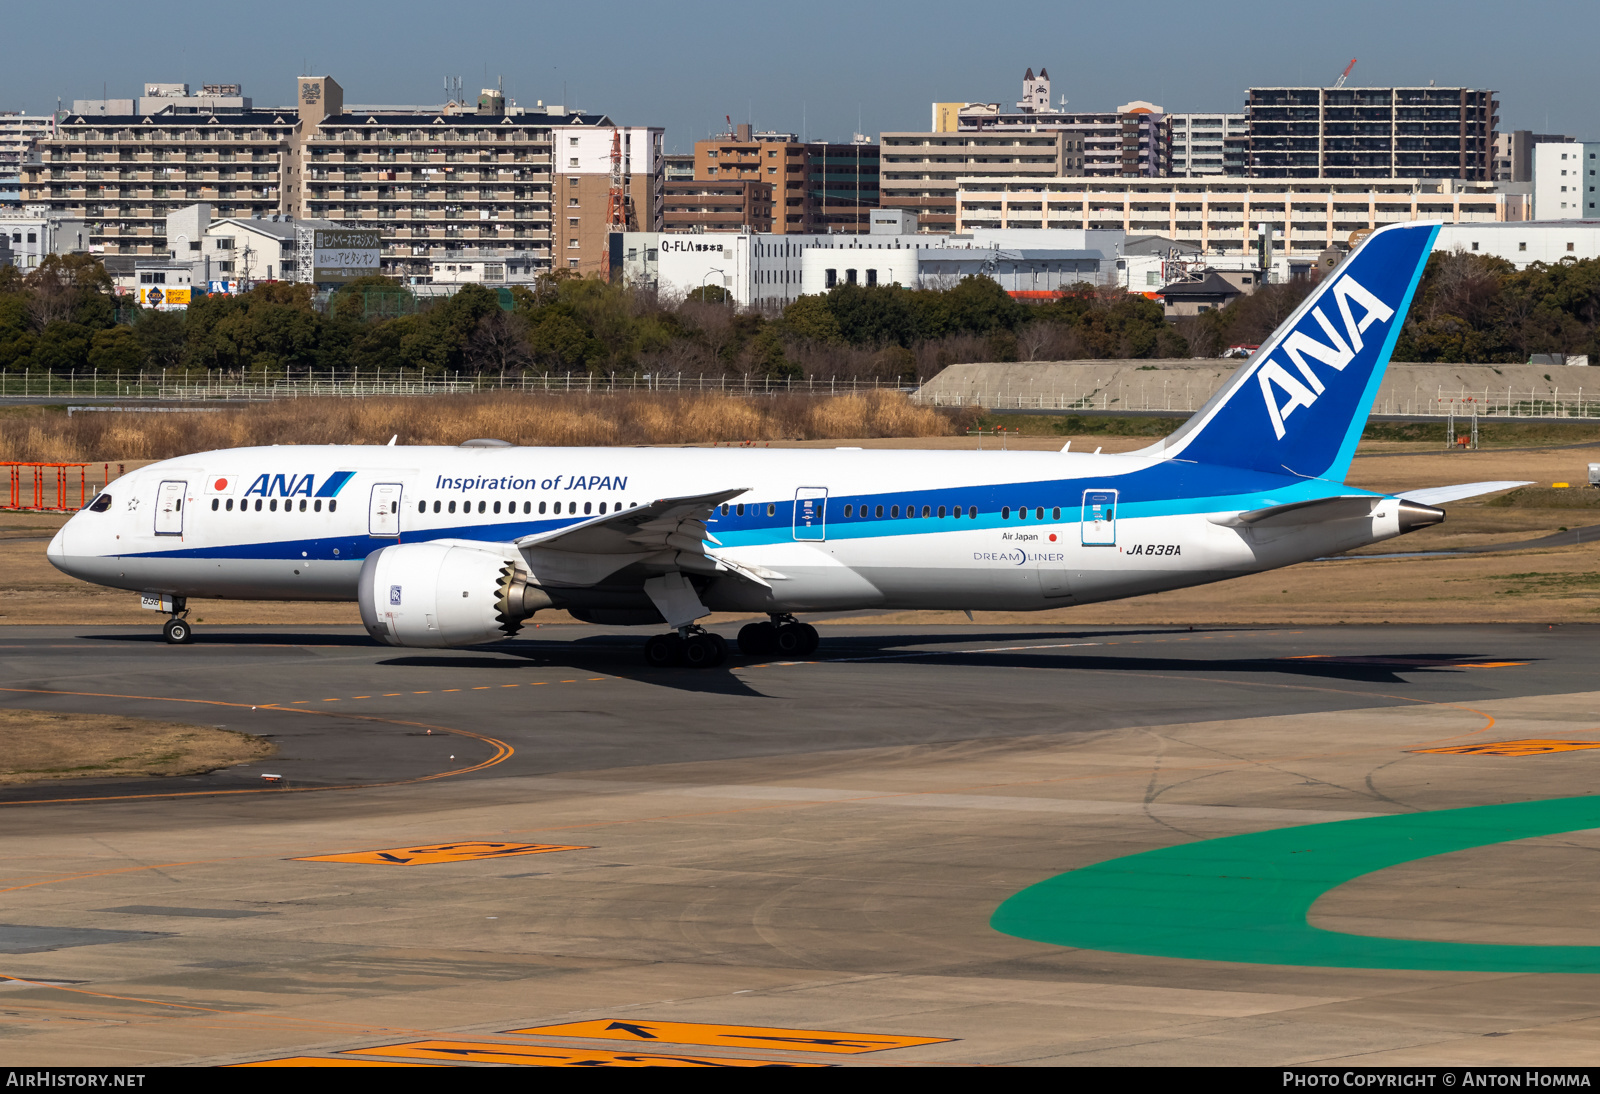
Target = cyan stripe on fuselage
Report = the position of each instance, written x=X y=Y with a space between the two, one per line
x=1154 y=491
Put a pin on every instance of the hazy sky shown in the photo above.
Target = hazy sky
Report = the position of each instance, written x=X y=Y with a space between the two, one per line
x=816 y=66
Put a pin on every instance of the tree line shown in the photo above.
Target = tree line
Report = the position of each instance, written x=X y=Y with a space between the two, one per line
x=64 y=316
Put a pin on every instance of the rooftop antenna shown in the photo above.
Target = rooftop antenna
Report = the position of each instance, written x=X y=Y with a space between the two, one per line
x=1337 y=84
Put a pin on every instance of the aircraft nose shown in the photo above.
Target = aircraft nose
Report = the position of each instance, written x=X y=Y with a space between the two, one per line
x=57 y=551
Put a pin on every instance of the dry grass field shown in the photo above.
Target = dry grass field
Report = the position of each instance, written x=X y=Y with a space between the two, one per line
x=1543 y=585
x=36 y=745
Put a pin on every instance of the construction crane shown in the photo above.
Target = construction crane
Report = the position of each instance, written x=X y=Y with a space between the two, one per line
x=617 y=206
x=1344 y=75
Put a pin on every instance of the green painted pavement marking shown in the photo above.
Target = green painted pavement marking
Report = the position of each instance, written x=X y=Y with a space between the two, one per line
x=1247 y=898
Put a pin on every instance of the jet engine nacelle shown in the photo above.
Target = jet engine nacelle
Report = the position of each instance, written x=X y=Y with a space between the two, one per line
x=435 y=595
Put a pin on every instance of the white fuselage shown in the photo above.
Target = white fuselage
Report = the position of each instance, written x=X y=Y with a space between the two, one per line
x=839 y=529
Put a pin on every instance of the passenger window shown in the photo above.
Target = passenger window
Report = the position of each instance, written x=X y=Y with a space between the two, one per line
x=587 y=506
x=772 y=510
x=602 y=508
x=452 y=507
x=497 y=507
x=926 y=511
x=956 y=512
x=972 y=512
x=422 y=507
x=894 y=510
x=436 y=507
x=941 y=510
x=215 y=503
x=724 y=508
x=541 y=508
x=303 y=505
x=878 y=512
x=229 y=506
x=258 y=505
x=1055 y=514
x=332 y=505
x=741 y=509
x=1039 y=513
x=1022 y=514
x=572 y=507
x=272 y=506
x=1005 y=512
x=482 y=505
x=848 y=509
x=316 y=506
x=527 y=507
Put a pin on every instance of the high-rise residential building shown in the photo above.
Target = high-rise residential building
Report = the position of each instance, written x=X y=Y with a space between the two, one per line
x=1199 y=142
x=1372 y=132
x=817 y=186
x=457 y=180
x=20 y=135
x=1513 y=153
x=1564 y=180
x=729 y=205
x=1131 y=142
x=919 y=170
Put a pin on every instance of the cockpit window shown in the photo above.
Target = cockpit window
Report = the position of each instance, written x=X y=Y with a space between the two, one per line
x=101 y=503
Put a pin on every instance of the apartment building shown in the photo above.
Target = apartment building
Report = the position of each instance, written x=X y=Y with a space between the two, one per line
x=1372 y=132
x=1201 y=142
x=20 y=135
x=1513 y=153
x=1130 y=142
x=1222 y=215
x=919 y=171
x=1564 y=180
x=583 y=158
x=817 y=186
x=460 y=180
x=32 y=232
x=733 y=205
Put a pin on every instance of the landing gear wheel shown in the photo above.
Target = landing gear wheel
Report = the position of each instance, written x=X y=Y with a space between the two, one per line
x=663 y=650
x=794 y=640
x=756 y=639
x=812 y=638
x=177 y=631
x=720 y=649
x=700 y=651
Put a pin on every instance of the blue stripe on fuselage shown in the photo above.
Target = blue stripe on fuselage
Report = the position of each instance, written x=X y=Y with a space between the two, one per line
x=1167 y=488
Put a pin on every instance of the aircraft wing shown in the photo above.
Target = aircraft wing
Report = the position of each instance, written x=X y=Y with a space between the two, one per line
x=1438 y=495
x=665 y=524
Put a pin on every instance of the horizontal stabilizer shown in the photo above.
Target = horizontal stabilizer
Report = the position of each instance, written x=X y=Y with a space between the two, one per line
x=1438 y=495
x=1314 y=511
x=678 y=523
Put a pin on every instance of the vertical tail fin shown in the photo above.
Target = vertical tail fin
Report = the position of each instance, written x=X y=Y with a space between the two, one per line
x=1300 y=404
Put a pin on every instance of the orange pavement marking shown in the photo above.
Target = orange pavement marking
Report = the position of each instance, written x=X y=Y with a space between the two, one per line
x=698 y=1033
x=319 y=1061
x=442 y=852
x=484 y=1052
x=1532 y=747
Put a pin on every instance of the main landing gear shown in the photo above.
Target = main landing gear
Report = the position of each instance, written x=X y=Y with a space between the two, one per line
x=783 y=635
x=693 y=647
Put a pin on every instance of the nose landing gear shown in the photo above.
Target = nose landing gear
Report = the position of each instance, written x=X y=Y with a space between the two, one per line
x=177 y=631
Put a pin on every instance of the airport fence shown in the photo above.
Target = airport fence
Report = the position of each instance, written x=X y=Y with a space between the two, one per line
x=54 y=487
x=202 y=385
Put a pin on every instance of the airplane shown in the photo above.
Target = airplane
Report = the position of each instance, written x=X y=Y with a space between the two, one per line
x=456 y=546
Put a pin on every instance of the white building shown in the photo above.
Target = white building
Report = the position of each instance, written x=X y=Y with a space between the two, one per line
x=1564 y=180
x=1197 y=141
x=34 y=231
x=1220 y=215
x=1547 y=241
x=20 y=135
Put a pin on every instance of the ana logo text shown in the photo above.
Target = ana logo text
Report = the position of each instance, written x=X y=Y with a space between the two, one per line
x=1337 y=353
x=291 y=485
